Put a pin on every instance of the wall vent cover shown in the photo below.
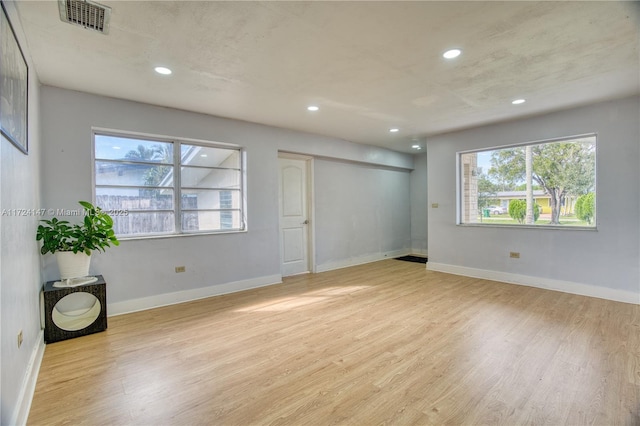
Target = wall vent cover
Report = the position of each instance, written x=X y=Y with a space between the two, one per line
x=85 y=13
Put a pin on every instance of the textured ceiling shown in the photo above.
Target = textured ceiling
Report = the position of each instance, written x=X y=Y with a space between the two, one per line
x=369 y=66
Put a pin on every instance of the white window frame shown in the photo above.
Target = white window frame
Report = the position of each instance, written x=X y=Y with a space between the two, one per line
x=460 y=191
x=177 y=188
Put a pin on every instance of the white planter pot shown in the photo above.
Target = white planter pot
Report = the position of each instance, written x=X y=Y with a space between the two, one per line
x=73 y=265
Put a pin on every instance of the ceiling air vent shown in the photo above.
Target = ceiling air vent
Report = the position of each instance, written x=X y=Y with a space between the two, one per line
x=85 y=13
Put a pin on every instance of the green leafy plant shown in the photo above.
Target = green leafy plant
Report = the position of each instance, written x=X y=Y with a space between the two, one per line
x=95 y=232
x=518 y=210
x=586 y=207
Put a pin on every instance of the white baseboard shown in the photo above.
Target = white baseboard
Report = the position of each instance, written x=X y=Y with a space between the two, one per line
x=420 y=252
x=545 y=283
x=360 y=260
x=25 y=397
x=156 y=301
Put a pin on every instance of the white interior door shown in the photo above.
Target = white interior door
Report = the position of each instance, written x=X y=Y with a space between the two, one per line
x=294 y=216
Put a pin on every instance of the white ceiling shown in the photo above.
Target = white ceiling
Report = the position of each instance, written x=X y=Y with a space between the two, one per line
x=369 y=66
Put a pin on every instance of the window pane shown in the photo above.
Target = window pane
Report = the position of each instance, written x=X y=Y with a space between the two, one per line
x=550 y=184
x=130 y=199
x=125 y=174
x=195 y=177
x=206 y=156
x=210 y=221
x=210 y=199
x=128 y=149
x=139 y=223
x=135 y=178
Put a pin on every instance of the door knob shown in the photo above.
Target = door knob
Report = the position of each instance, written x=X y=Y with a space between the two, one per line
x=306 y=222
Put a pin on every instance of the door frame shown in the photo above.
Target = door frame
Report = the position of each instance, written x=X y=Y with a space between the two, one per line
x=311 y=228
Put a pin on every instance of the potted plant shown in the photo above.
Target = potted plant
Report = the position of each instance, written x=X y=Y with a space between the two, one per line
x=73 y=243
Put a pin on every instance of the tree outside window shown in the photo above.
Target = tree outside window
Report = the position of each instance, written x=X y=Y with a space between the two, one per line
x=543 y=181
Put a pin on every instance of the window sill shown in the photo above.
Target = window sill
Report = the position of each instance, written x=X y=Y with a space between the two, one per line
x=543 y=227
x=189 y=234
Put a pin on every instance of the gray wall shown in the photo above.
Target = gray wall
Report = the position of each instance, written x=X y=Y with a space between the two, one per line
x=19 y=260
x=607 y=258
x=361 y=213
x=419 y=211
x=144 y=268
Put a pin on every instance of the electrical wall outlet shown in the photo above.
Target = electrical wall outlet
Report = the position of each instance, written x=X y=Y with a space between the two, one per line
x=19 y=339
x=181 y=269
x=434 y=205
x=514 y=255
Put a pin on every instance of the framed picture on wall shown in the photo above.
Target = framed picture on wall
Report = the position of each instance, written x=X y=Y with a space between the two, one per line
x=14 y=75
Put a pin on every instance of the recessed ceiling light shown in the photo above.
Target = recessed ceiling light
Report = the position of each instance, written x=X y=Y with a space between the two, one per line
x=518 y=101
x=163 y=70
x=416 y=146
x=203 y=155
x=394 y=130
x=453 y=53
x=312 y=108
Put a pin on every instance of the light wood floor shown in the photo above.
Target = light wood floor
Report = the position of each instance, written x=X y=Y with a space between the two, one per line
x=383 y=343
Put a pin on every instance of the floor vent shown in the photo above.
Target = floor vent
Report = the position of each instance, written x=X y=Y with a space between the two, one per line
x=85 y=13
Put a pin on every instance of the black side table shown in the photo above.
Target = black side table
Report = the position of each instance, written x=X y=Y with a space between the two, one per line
x=67 y=325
